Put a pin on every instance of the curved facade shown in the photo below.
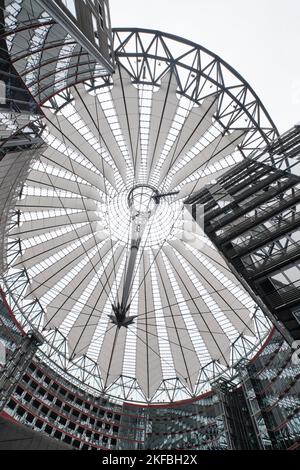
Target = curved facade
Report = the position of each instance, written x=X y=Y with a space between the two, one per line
x=261 y=413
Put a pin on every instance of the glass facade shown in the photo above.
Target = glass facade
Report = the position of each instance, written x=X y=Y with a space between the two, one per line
x=274 y=377
x=252 y=216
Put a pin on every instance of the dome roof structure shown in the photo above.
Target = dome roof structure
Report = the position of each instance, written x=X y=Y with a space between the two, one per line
x=132 y=298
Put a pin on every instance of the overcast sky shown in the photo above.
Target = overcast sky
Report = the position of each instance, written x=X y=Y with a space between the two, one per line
x=259 y=38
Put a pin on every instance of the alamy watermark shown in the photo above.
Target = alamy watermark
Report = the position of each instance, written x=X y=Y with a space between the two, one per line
x=193 y=223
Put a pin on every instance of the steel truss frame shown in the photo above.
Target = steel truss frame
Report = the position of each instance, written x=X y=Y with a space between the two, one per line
x=258 y=233
x=39 y=51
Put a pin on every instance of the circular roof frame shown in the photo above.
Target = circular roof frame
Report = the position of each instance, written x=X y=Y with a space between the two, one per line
x=147 y=57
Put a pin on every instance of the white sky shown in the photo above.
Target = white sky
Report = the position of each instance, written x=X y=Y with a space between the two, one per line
x=259 y=38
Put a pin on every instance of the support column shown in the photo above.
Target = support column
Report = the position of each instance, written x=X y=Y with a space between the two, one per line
x=258 y=423
x=239 y=428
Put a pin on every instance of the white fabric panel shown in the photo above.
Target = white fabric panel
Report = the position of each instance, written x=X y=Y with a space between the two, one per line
x=194 y=186
x=88 y=106
x=80 y=338
x=148 y=365
x=219 y=148
x=36 y=203
x=46 y=279
x=56 y=159
x=112 y=354
x=209 y=329
x=197 y=123
x=35 y=254
x=39 y=179
x=213 y=256
x=36 y=227
x=73 y=139
x=63 y=303
x=237 y=314
x=127 y=110
x=164 y=106
x=185 y=358
x=199 y=120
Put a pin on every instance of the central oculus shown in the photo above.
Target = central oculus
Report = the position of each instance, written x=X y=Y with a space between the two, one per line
x=143 y=199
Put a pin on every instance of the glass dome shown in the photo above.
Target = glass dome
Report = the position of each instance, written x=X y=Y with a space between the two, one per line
x=121 y=155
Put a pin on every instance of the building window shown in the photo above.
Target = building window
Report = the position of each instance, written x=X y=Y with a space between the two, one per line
x=297 y=316
x=2 y=92
x=70 y=5
x=101 y=15
x=95 y=28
